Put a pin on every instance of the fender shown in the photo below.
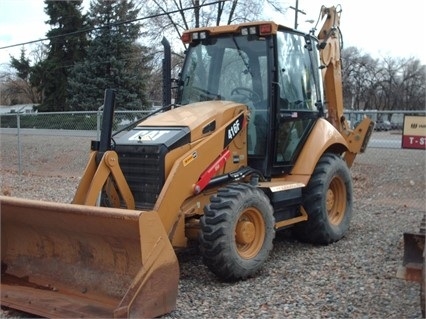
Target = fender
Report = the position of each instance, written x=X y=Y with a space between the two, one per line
x=323 y=137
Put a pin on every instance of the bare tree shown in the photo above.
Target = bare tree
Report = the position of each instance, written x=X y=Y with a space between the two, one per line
x=156 y=78
x=387 y=84
x=15 y=90
x=359 y=74
x=171 y=18
x=391 y=83
x=413 y=84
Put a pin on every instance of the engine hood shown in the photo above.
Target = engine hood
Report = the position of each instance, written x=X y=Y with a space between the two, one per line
x=201 y=118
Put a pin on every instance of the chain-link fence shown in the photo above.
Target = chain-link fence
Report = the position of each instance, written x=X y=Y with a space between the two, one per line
x=24 y=135
x=78 y=121
x=78 y=128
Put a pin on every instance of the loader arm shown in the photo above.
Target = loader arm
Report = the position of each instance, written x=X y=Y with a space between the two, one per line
x=103 y=172
x=96 y=177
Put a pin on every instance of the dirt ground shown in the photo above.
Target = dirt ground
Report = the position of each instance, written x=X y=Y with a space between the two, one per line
x=389 y=196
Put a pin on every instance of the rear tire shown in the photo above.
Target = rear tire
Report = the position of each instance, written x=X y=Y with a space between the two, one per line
x=327 y=200
x=237 y=232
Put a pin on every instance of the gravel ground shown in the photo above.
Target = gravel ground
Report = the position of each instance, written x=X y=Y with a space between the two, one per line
x=353 y=278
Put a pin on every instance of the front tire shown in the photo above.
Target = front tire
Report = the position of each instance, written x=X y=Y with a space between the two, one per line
x=237 y=232
x=328 y=202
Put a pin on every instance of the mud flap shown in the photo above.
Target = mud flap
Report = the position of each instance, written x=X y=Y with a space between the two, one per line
x=66 y=260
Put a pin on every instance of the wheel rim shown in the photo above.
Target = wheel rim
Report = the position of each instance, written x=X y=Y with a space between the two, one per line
x=249 y=233
x=336 y=201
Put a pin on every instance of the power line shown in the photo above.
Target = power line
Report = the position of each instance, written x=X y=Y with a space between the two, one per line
x=111 y=25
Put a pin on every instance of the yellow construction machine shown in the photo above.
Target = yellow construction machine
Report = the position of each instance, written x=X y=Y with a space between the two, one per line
x=255 y=142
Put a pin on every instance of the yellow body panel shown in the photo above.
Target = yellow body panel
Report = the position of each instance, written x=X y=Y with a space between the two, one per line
x=184 y=173
x=323 y=136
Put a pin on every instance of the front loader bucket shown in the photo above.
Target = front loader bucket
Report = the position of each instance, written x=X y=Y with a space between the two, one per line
x=66 y=260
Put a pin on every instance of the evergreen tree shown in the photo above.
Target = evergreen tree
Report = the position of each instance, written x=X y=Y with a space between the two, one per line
x=19 y=89
x=22 y=65
x=114 y=60
x=65 y=17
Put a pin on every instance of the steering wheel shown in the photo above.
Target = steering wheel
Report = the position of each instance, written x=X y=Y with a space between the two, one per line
x=196 y=88
x=248 y=93
x=205 y=94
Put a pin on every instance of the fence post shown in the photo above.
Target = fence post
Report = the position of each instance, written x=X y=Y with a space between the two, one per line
x=98 y=123
x=18 y=127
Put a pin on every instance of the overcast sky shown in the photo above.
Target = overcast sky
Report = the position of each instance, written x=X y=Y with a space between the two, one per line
x=380 y=28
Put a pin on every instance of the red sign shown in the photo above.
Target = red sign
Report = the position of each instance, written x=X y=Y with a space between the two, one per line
x=414 y=142
x=414 y=132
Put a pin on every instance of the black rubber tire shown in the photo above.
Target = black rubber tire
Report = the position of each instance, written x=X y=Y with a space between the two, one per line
x=328 y=201
x=237 y=232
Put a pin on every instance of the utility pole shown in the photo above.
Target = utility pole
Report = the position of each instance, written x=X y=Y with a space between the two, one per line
x=296 y=11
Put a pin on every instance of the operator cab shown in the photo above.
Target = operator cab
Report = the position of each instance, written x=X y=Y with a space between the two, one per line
x=272 y=69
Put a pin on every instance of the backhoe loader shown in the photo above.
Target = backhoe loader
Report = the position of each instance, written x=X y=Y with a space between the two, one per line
x=255 y=142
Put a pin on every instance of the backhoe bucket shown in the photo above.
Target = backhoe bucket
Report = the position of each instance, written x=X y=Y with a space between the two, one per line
x=67 y=260
x=413 y=260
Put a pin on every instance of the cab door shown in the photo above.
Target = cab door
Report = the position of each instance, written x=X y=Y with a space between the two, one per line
x=299 y=97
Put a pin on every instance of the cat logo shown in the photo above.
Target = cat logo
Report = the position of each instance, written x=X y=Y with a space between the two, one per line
x=190 y=158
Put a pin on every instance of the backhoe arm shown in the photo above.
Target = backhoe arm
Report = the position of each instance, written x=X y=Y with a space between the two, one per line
x=329 y=44
x=330 y=47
